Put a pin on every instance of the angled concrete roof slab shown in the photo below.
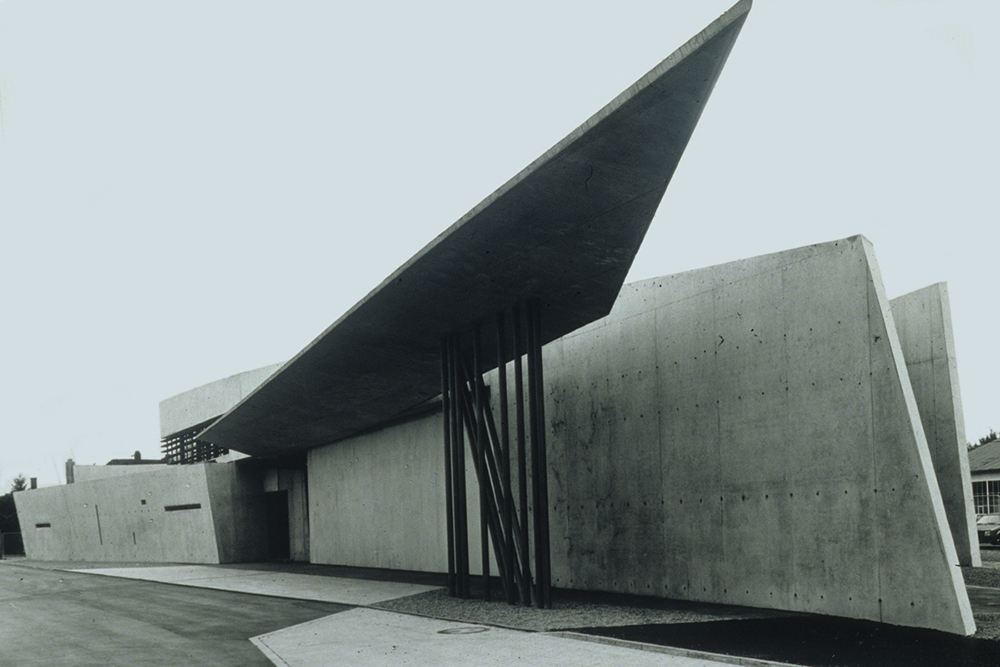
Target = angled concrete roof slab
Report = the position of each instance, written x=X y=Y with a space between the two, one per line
x=564 y=230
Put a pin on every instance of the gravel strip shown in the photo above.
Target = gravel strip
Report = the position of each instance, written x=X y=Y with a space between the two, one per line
x=981 y=576
x=990 y=554
x=566 y=613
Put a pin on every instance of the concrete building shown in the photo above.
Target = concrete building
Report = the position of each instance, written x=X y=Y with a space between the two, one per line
x=772 y=432
x=795 y=362
x=113 y=468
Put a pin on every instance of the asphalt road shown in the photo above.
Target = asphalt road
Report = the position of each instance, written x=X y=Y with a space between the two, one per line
x=51 y=618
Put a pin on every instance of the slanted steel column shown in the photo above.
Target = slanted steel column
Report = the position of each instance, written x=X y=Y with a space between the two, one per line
x=468 y=412
x=482 y=474
x=508 y=500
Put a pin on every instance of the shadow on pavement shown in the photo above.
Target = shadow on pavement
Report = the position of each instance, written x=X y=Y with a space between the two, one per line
x=816 y=641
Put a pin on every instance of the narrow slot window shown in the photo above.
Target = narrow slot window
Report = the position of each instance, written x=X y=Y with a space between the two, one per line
x=178 y=508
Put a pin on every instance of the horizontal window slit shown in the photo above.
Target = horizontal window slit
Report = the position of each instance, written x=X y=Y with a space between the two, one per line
x=178 y=508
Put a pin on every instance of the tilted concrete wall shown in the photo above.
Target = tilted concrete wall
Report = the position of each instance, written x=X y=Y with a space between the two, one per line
x=209 y=401
x=747 y=434
x=741 y=434
x=236 y=494
x=377 y=500
x=201 y=513
x=923 y=321
x=122 y=519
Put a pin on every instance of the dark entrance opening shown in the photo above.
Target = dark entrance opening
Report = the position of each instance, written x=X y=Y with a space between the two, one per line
x=276 y=508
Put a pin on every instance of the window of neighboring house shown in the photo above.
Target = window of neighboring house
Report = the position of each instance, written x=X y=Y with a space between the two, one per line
x=986 y=496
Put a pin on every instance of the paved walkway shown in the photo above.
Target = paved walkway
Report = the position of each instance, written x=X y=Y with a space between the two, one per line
x=355 y=592
x=376 y=638
x=367 y=636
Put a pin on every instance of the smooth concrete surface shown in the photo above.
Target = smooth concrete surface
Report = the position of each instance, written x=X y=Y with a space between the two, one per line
x=235 y=492
x=378 y=500
x=90 y=473
x=277 y=584
x=378 y=638
x=51 y=618
x=746 y=434
x=208 y=401
x=743 y=434
x=923 y=321
x=200 y=513
x=564 y=230
x=122 y=519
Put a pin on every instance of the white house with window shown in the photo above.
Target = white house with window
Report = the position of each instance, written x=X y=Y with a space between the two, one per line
x=984 y=464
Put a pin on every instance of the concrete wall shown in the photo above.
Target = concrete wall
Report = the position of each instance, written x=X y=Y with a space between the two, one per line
x=923 y=321
x=89 y=473
x=209 y=401
x=294 y=482
x=378 y=500
x=747 y=434
x=202 y=513
x=237 y=502
x=741 y=434
x=122 y=519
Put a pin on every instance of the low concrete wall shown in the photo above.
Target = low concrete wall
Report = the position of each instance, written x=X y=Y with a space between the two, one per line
x=202 y=513
x=923 y=321
x=149 y=516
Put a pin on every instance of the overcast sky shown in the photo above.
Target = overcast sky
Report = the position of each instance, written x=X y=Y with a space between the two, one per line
x=189 y=190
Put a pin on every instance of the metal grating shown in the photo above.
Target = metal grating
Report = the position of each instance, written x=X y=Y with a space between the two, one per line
x=183 y=448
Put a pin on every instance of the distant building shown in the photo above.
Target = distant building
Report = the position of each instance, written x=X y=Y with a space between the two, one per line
x=113 y=468
x=984 y=464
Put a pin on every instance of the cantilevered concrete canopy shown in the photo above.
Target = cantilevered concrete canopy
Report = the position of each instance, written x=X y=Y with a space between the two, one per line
x=565 y=231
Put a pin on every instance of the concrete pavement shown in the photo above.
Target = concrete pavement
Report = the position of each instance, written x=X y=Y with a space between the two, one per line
x=376 y=638
x=341 y=590
x=52 y=618
x=198 y=614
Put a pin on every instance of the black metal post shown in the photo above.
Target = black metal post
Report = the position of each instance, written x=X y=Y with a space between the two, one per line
x=449 y=491
x=508 y=501
x=483 y=473
x=492 y=480
x=533 y=426
x=458 y=451
x=522 y=467
x=544 y=573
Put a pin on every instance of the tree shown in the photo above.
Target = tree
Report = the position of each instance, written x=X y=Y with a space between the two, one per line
x=985 y=439
x=19 y=484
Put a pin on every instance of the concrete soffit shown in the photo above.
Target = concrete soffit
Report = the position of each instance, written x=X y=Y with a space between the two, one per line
x=563 y=231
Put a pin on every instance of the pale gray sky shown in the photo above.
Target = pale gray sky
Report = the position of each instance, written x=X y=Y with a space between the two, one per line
x=189 y=190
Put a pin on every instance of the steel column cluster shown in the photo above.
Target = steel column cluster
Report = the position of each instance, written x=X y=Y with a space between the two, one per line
x=468 y=417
